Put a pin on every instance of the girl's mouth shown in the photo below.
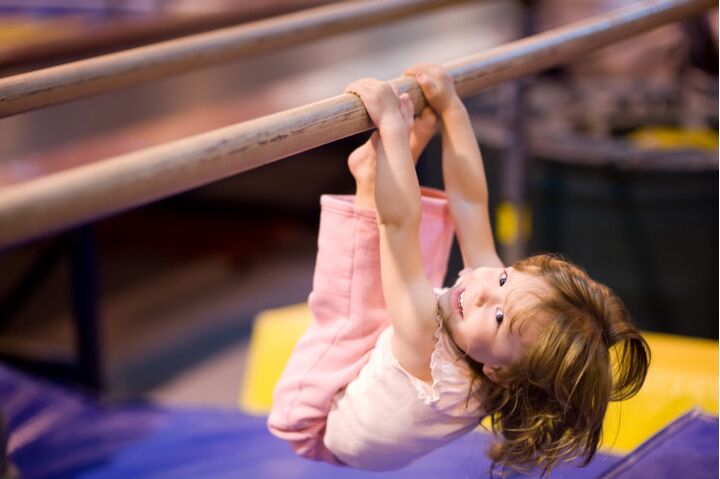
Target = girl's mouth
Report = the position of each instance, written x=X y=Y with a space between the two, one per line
x=457 y=300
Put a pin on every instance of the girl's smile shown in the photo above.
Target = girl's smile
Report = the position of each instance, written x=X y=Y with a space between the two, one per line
x=476 y=311
x=457 y=298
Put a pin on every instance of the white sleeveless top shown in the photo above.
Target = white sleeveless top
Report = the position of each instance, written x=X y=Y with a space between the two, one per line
x=386 y=417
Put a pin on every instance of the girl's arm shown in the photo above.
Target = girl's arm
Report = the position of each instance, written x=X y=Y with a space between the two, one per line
x=409 y=297
x=362 y=162
x=463 y=171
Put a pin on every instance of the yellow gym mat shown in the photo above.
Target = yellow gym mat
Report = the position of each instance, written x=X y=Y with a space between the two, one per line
x=683 y=374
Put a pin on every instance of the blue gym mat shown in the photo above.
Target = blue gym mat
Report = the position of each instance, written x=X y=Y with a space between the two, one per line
x=59 y=433
x=685 y=448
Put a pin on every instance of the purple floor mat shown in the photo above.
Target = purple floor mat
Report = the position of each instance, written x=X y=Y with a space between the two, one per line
x=685 y=448
x=58 y=433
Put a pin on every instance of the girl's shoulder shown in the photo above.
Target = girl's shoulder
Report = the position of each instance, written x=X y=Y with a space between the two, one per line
x=454 y=383
x=453 y=388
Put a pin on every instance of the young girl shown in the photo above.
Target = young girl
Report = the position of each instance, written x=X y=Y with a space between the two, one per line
x=383 y=377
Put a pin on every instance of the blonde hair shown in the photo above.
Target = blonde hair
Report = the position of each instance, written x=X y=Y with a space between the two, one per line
x=549 y=407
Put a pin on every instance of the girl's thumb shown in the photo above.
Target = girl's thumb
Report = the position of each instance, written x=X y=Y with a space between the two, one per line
x=426 y=83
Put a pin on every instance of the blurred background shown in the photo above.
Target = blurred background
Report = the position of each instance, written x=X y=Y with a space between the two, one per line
x=611 y=161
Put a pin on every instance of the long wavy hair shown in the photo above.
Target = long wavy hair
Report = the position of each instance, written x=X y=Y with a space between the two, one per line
x=549 y=407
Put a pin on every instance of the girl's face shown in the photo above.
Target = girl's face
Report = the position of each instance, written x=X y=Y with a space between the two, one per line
x=477 y=312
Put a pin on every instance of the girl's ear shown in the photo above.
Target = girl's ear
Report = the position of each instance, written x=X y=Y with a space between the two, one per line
x=493 y=374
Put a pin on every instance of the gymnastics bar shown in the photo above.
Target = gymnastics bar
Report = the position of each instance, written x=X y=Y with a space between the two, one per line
x=89 y=192
x=124 y=32
x=70 y=81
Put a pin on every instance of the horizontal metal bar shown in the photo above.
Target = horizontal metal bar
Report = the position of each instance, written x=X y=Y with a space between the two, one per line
x=86 y=193
x=49 y=86
x=128 y=32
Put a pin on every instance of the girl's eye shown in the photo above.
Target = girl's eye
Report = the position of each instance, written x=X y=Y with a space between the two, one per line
x=503 y=278
x=499 y=316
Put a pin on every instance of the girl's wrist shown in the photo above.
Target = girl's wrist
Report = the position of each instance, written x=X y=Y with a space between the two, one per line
x=391 y=123
x=365 y=196
x=455 y=107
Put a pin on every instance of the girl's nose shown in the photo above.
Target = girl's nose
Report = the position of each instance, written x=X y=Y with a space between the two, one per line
x=477 y=273
x=480 y=295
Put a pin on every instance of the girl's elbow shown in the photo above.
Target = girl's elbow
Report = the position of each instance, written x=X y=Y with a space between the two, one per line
x=400 y=218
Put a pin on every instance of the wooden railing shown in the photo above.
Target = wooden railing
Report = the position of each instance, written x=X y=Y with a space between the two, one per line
x=86 y=193
x=83 y=78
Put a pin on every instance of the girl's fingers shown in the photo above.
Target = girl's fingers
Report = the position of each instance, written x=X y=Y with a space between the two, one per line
x=428 y=114
x=426 y=82
x=407 y=109
x=426 y=122
x=363 y=85
x=429 y=76
x=424 y=129
x=352 y=87
x=418 y=67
